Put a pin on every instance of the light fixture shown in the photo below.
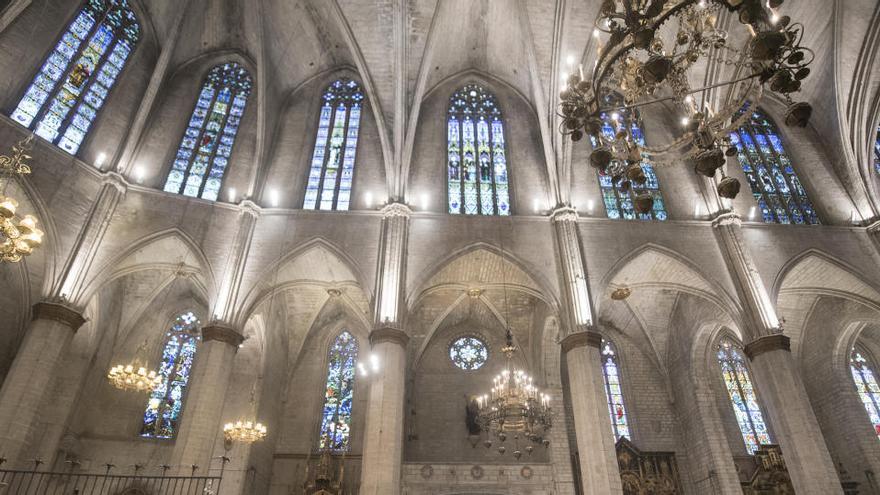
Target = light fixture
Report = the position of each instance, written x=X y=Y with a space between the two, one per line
x=244 y=431
x=514 y=408
x=132 y=377
x=637 y=66
x=19 y=235
x=621 y=293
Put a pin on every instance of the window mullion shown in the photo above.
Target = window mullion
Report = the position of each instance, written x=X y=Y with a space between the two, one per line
x=344 y=148
x=462 y=168
x=197 y=145
x=217 y=141
x=328 y=146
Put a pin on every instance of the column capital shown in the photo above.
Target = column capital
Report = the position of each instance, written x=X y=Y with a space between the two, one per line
x=564 y=214
x=392 y=210
x=766 y=344
x=389 y=334
x=873 y=227
x=249 y=207
x=116 y=180
x=220 y=333
x=60 y=313
x=581 y=339
x=727 y=218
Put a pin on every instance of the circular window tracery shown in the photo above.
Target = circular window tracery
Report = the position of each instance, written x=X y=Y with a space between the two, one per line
x=468 y=353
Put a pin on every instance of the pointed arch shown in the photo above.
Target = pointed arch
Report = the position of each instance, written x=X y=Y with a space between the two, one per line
x=743 y=397
x=165 y=405
x=865 y=378
x=335 y=434
x=816 y=271
x=614 y=390
x=75 y=80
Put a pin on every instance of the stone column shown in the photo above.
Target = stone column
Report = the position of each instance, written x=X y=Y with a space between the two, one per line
x=776 y=376
x=200 y=426
x=383 y=436
x=383 y=439
x=586 y=388
x=45 y=344
x=589 y=405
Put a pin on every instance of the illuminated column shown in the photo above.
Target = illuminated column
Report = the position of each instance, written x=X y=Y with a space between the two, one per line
x=777 y=379
x=45 y=344
x=225 y=306
x=383 y=435
x=592 y=421
x=200 y=425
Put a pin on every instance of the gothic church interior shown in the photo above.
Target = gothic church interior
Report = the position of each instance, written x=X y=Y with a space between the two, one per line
x=440 y=247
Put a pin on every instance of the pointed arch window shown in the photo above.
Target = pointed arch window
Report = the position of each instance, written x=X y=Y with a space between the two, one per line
x=618 y=199
x=611 y=373
x=162 y=417
x=770 y=173
x=738 y=382
x=332 y=172
x=339 y=393
x=877 y=151
x=70 y=88
x=866 y=385
x=204 y=151
x=477 y=160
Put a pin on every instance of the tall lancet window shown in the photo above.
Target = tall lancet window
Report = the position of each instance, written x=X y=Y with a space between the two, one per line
x=335 y=431
x=866 y=385
x=332 y=172
x=204 y=151
x=477 y=169
x=770 y=173
x=877 y=151
x=611 y=372
x=617 y=197
x=72 y=85
x=738 y=382
x=162 y=417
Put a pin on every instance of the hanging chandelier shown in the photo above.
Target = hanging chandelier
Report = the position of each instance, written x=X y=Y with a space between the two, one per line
x=244 y=431
x=19 y=235
x=514 y=408
x=654 y=52
x=133 y=377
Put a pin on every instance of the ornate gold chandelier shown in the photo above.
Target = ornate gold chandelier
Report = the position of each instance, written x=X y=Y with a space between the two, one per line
x=133 y=377
x=514 y=407
x=19 y=236
x=244 y=431
x=654 y=51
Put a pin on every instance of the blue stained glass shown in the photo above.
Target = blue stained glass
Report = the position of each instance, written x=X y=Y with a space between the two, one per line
x=224 y=83
x=618 y=204
x=162 y=416
x=339 y=394
x=877 y=151
x=332 y=171
x=477 y=175
x=613 y=392
x=867 y=387
x=776 y=187
x=62 y=85
x=739 y=387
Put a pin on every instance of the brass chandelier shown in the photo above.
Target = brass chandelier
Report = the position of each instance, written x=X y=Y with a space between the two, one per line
x=19 y=235
x=133 y=377
x=655 y=49
x=246 y=430
x=514 y=407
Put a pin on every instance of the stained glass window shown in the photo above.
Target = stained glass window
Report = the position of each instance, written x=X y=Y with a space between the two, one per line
x=332 y=172
x=70 y=88
x=166 y=401
x=468 y=353
x=204 y=151
x=770 y=174
x=336 y=422
x=877 y=151
x=477 y=170
x=866 y=385
x=619 y=202
x=611 y=372
x=742 y=395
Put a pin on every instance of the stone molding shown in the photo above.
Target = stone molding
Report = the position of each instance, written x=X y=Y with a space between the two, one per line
x=766 y=344
x=60 y=313
x=116 y=180
x=392 y=210
x=873 y=228
x=389 y=334
x=564 y=214
x=219 y=333
x=727 y=218
x=581 y=339
x=249 y=207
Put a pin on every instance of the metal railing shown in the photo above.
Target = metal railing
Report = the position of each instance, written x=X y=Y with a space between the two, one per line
x=35 y=482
